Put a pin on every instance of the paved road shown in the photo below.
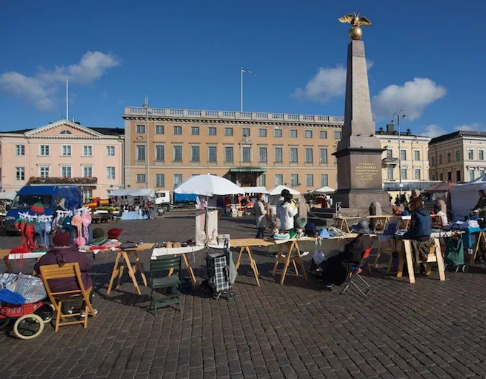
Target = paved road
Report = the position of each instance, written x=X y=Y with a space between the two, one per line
x=430 y=329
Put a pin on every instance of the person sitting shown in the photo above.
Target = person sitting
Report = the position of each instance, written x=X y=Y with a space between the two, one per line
x=481 y=204
x=63 y=253
x=335 y=268
x=419 y=231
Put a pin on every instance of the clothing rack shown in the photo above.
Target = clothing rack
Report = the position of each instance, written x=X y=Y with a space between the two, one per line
x=64 y=213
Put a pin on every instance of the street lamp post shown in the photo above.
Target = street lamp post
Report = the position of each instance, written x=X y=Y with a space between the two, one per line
x=399 y=114
x=147 y=130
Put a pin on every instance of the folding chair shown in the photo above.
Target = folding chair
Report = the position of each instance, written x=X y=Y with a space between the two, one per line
x=354 y=271
x=171 y=282
x=68 y=270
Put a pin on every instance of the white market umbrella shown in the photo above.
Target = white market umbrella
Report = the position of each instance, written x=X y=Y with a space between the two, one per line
x=208 y=185
x=278 y=190
x=248 y=190
x=324 y=190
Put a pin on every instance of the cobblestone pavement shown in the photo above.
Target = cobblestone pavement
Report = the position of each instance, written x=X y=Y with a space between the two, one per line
x=430 y=329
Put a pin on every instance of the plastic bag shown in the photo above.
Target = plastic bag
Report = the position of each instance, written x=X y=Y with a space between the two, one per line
x=30 y=287
x=323 y=233
x=319 y=255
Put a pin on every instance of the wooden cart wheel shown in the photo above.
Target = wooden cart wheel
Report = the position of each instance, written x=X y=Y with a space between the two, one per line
x=46 y=312
x=28 y=327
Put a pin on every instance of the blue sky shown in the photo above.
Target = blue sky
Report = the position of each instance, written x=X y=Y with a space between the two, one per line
x=427 y=57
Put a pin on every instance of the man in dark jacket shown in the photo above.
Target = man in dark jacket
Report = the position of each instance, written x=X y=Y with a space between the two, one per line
x=481 y=204
x=335 y=268
x=419 y=232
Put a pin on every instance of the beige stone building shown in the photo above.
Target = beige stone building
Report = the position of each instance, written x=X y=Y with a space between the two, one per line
x=458 y=156
x=166 y=146
x=407 y=154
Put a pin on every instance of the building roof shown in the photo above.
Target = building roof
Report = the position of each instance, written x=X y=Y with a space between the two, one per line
x=104 y=131
x=390 y=131
x=459 y=133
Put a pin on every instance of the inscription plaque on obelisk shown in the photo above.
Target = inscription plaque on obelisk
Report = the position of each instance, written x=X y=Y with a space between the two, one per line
x=359 y=151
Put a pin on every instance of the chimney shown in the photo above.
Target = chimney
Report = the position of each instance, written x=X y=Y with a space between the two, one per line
x=381 y=130
x=409 y=133
x=390 y=128
x=77 y=122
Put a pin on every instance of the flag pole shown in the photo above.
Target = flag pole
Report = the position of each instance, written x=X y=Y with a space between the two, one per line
x=241 y=87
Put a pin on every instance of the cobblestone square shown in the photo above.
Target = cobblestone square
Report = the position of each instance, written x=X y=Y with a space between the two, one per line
x=296 y=330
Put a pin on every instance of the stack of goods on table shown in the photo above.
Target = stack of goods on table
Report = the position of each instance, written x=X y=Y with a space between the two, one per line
x=175 y=244
x=100 y=242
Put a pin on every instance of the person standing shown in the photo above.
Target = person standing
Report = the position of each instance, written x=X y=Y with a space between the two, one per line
x=260 y=214
x=286 y=210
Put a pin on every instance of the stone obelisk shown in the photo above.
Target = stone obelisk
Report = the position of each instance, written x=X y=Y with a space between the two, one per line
x=359 y=151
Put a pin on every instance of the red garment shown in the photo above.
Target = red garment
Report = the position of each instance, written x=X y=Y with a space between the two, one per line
x=66 y=255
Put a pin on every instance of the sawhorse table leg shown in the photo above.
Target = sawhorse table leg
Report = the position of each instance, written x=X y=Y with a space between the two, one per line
x=286 y=261
x=481 y=236
x=118 y=271
x=253 y=264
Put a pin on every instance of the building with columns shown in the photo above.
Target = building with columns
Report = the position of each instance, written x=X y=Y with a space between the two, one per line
x=405 y=155
x=166 y=146
x=63 y=152
x=458 y=156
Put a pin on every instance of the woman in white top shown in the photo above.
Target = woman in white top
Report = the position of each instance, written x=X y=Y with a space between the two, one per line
x=286 y=211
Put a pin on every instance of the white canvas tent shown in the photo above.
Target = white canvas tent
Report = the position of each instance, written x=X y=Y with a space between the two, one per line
x=249 y=190
x=8 y=195
x=278 y=190
x=135 y=192
x=323 y=190
x=465 y=196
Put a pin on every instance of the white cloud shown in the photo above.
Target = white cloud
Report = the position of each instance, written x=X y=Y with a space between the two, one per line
x=40 y=89
x=329 y=82
x=413 y=97
x=433 y=131
x=474 y=127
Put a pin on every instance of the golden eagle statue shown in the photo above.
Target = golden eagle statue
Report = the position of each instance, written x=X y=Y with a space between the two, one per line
x=355 y=20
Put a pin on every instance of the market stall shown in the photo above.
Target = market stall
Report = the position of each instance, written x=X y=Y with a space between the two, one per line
x=134 y=202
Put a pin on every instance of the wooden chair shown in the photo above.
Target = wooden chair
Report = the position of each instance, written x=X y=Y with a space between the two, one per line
x=68 y=270
x=171 y=282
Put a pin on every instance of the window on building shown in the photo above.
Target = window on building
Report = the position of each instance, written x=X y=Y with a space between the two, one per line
x=44 y=150
x=470 y=154
x=140 y=178
x=449 y=176
x=458 y=176
x=228 y=154
x=481 y=155
x=458 y=155
x=278 y=155
x=403 y=155
x=66 y=150
x=441 y=177
x=449 y=157
x=212 y=154
x=294 y=155
x=141 y=129
x=308 y=134
x=337 y=135
x=177 y=154
x=416 y=155
x=211 y=131
x=87 y=150
x=87 y=171
x=195 y=153
x=262 y=154
x=389 y=153
x=432 y=161
x=246 y=151
x=19 y=173
x=177 y=130
x=323 y=134
x=177 y=180
x=228 y=132
x=159 y=153
x=110 y=151
x=66 y=171
x=19 y=150
x=309 y=155
x=440 y=158
x=324 y=180
x=194 y=130
x=294 y=180
x=44 y=171
x=65 y=132
x=481 y=172
x=471 y=175
x=110 y=173
x=417 y=174
x=277 y=133
x=279 y=180
x=262 y=132
x=433 y=177
x=159 y=129
x=293 y=133
x=323 y=156
x=140 y=152
x=159 y=180
x=403 y=172
x=245 y=132
x=263 y=180
x=389 y=173
x=309 y=180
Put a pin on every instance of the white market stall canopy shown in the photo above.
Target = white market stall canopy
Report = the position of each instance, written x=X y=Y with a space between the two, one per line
x=248 y=190
x=278 y=190
x=208 y=185
x=465 y=196
x=135 y=192
x=7 y=195
x=324 y=190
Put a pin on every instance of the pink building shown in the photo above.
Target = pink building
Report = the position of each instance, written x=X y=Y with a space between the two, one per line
x=63 y=152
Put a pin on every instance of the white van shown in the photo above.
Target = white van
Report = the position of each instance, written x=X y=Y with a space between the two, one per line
x=163 y=200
